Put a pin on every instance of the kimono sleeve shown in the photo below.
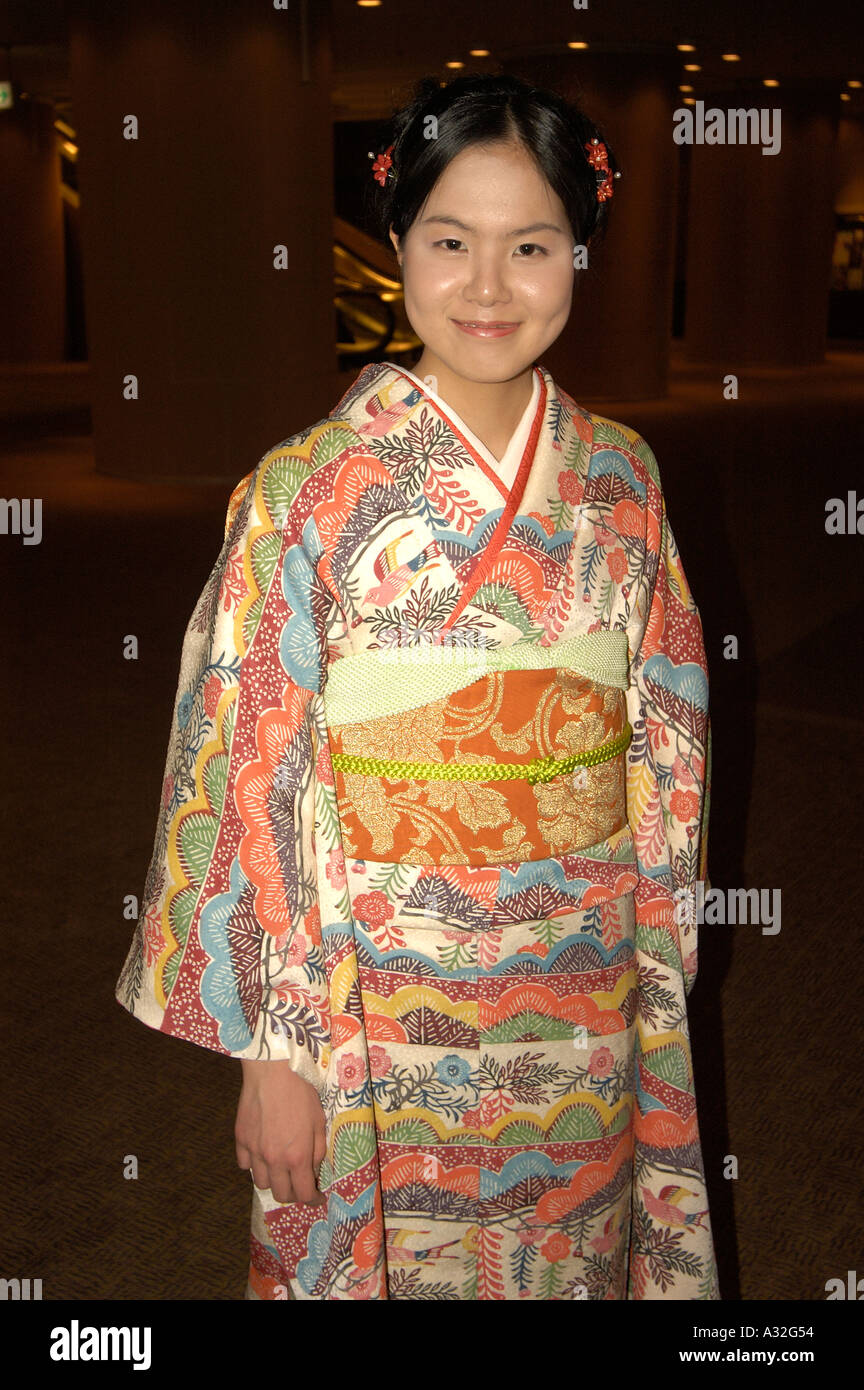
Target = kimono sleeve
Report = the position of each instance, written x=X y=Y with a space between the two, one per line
x=227 y=953
x=669 y=760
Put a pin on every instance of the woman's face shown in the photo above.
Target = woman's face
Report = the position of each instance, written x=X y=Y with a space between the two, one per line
x=492 y=243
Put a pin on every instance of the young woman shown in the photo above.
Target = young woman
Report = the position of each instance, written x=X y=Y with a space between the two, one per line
x=437 y=790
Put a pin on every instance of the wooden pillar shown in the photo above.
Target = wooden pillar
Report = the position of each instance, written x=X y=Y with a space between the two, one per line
x=617 y=340
x=32 y=266
x=232 y=159
x=760 y=236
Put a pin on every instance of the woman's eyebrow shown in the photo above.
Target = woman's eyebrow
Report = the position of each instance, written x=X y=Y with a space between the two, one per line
x=515 y=231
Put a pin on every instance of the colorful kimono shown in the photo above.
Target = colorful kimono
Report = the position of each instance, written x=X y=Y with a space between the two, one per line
x=433 y=818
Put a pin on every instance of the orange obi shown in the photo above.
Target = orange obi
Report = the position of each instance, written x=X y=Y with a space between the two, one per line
x=516 y=765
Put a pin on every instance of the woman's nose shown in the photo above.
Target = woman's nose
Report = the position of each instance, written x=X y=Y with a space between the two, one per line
x=487 y=282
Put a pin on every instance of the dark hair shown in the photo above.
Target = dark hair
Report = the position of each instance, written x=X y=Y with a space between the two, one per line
x=479 y=108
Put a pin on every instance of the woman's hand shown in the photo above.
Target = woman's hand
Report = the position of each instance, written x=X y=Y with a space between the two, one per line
x=280 y=1131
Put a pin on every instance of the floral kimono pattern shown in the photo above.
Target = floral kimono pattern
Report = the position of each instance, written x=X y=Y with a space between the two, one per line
x=434 y=811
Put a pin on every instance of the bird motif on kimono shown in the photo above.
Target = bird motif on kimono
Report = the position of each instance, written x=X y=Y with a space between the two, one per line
x=400 y=1250
x=383 y=418
x=396 y=578
x=665 y=1209
x=605 y=1242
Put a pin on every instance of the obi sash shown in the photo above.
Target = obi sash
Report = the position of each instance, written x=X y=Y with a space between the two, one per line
x=472 y=755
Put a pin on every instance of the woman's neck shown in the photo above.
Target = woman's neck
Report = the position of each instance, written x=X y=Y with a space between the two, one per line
x=492 y=409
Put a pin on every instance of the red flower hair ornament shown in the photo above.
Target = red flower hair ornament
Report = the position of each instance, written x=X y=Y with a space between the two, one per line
x=597 y=155
x=382 y=169
x=598 y=158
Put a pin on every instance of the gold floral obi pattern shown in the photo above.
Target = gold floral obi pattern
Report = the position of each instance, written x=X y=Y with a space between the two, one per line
x=515 y=765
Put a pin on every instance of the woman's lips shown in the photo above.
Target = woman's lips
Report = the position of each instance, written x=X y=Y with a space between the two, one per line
x=485 y=330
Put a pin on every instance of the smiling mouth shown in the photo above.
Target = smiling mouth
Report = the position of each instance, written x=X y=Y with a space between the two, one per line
x=487 y=323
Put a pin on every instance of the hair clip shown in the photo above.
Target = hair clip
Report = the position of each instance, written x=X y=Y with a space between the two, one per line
x=598 y=158
x=382 y=168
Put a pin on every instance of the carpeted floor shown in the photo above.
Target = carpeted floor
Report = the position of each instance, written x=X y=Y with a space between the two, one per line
x=775 y=1019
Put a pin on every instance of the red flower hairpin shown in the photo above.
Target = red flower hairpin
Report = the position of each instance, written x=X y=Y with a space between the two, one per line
x=598 y=158
x=382 y=167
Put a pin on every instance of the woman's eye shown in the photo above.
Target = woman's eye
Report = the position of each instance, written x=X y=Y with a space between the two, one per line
x=453 y=243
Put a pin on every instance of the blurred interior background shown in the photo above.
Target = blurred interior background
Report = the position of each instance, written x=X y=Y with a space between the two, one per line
x=184 y=202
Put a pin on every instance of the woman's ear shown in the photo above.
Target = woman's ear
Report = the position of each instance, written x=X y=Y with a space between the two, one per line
x=396 y=243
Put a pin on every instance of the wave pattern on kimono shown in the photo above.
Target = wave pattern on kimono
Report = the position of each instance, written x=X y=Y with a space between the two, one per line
x=436 y=792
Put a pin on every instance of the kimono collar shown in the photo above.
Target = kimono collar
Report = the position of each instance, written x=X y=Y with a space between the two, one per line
x=383 y=400
x=467 y=529
x=383 y=394
x=506 y=467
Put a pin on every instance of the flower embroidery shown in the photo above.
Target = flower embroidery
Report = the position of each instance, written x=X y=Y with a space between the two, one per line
x=569 y=486
x=184 y=710
x=212 y=692
x=335 y=867
x=681 y=772
x=603 y=536
x=324 y=767
x=530 y=1235
x=312 y=924
x=379 y=1061
x=684 y=805
x=453 y=1070
x=350 y=1071
x=296 y=953
x=556 y=1248
x=616 y=561
x=373 y=908
x=601 y=1062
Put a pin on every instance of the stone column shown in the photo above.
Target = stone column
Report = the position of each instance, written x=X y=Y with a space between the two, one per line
x=231 y=159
